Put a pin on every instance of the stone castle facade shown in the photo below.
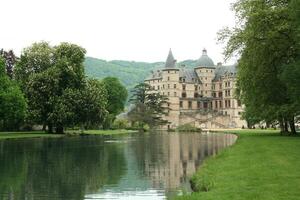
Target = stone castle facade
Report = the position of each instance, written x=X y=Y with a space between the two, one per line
x=202 y=96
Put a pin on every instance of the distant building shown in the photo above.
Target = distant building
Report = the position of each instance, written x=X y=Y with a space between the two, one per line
x=202 y=96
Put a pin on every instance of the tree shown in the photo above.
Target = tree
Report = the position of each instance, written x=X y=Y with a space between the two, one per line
x=51 y=74
x=266 y=39
x=84 y=107
x=117 y=96
x=12 y=102
x=10 y=60
x=34 y=59
x=149 y=106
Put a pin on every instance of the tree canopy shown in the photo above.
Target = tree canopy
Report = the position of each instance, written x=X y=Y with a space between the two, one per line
x=149 y=106
x=12 y=101
x=266 y=38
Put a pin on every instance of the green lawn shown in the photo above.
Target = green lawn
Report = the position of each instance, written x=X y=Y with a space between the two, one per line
x=29 y=134
x=39 y=134
x=108 y=132
x=262 y=165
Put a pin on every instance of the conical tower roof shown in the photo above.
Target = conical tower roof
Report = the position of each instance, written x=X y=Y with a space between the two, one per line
x=170 y=62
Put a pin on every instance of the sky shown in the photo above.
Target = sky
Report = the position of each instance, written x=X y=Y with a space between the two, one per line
x=135 y=30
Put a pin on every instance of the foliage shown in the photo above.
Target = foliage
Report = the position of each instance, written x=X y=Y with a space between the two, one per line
x=59 y=94
x=117 y=96
x=149 y=106
x=121 y=124
x=266 y=39
x=12 y=101
x=34 y=59
x=188 y=128
x=10 y=60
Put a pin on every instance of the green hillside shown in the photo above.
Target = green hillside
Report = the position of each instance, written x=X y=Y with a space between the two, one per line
x=129 y=72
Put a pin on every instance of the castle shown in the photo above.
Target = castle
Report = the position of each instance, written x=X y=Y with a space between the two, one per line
x=202 y=96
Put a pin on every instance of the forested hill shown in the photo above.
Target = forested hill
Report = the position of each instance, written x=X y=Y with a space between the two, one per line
x=129 y=72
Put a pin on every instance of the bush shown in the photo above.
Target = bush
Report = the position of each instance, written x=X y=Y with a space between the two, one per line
x=120 y=124
x=188 y=128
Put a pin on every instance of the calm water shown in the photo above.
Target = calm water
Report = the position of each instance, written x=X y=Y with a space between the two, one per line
x=138 y=166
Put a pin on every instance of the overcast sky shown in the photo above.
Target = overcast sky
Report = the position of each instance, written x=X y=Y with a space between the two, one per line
x=139 y=30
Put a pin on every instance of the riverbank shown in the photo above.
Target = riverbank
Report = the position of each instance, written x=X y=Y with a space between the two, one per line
x=261 y=165
x=41 y=134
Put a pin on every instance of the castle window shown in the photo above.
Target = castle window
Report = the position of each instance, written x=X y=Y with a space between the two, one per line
x=220 y=94
x=180 y=104
x=180 y=78
x=163 y=86
x=175 y=94
x=206 y=70
x=216 y=104
x=196 y=88
x=205 y=78
x=214 y=94
x=220 y=85
x=239 y=113
x=183 y=87
x=168 y=86
x=183 y=80
x=205 y=105
x=158 y=87
x=198 y=104
x=168 y=78
x=205 y=85
x=168 y=93
x=211 y=71
x=220 y=104
x=190 y=104
x=195 y=95
x=228 y=84
x=174 y=85
x=183 y=95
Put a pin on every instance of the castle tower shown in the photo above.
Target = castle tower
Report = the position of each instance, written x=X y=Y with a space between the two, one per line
x=170 y=88
x=206 y=72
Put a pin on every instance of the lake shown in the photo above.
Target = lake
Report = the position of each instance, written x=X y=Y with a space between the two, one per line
x=136 y=166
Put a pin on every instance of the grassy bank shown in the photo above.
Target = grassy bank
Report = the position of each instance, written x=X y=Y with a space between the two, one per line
x=29 y=134
x=108 y=132
x=41 y=134
x=262 y=165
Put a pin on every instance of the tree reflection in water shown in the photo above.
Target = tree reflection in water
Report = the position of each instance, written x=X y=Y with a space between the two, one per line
x=58 y=168
x=151 y=165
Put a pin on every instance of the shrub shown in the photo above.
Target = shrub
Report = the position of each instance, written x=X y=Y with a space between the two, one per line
x=188 y=128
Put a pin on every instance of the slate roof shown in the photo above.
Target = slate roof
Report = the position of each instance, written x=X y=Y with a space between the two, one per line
x=170 y=62
x=204 y=60
x=190 y=75
x=222 y=70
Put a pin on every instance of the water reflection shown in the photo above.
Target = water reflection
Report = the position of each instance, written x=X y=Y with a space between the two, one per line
x=143 y=166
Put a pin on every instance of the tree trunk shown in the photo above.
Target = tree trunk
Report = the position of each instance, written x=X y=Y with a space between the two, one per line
x=286 y=126
x=292 y=126
x=281 y=124
x=50 y=128
x=44 y=127
x=59 y=129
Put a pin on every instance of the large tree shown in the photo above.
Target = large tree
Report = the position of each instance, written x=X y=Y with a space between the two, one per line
x=149 y=106
x=266 y=38
x=117 y=96
x=53 y=75
x=12 y=101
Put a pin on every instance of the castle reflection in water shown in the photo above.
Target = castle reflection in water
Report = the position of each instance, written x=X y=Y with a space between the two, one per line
x=175 y=157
